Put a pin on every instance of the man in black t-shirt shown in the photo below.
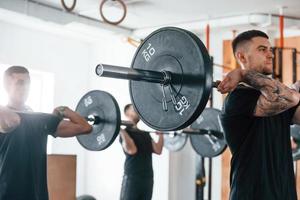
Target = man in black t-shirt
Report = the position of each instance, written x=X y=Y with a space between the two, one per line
x=23 y=139
x=256 y=118
x=138 y=147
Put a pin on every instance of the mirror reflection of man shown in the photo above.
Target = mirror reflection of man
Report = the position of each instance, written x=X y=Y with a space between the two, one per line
x=23 y=139
x=138 y=147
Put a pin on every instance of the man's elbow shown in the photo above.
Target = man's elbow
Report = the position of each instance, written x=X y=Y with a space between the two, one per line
x=158 y=151
x=296 y=98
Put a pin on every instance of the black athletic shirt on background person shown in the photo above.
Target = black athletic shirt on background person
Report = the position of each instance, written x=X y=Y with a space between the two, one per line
x=261 y=165
x=23 y=154
x=139 y=164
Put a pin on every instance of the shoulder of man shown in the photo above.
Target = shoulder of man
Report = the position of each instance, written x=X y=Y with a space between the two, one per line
x=241 y=92
x=240 y=100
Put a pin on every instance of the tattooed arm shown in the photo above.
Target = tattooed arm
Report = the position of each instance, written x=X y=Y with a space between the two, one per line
x=275 y=97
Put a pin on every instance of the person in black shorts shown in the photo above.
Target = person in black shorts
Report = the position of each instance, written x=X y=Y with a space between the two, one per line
x=138 y=147
x=256 y=118
x=23 y=139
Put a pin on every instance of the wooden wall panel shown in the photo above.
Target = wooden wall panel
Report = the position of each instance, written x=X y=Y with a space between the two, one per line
x=228 y=57
x=293 y=42
x=228 y=60
x=226 y=157
x=61 y=174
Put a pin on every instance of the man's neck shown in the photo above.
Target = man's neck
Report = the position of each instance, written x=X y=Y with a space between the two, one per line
x=17 y=107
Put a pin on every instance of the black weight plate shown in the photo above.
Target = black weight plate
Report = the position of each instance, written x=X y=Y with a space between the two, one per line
x=296 y=154
x=103 y=105
x=295 y=134
x=174 y=50
x=174 y=141
x=211 y=142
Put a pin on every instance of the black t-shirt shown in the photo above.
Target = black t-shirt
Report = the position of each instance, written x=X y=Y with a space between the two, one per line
x=139 y=164
x=261 y=164
x=23 y=164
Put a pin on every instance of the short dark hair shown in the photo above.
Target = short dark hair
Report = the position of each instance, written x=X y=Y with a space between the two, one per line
x=15 y=69
x=127 y=107
x=245 y=37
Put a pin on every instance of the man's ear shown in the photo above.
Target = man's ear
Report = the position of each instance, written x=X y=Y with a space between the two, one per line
x=241 y=57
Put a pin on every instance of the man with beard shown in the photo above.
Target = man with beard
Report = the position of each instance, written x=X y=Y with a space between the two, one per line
x=256 y=118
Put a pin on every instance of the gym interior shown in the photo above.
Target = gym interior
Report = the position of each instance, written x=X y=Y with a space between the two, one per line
x=74 y=47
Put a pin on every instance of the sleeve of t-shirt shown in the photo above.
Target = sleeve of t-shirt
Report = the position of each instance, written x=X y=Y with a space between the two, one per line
x=120 y=138
x=291 y=112
x=49 y=123
x=241 y=101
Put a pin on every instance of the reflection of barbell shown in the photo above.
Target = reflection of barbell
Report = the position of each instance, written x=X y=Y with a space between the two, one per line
x=206 y=135
x=170 y=78
x=94 y=120
x=103 y=113
x=295 y=134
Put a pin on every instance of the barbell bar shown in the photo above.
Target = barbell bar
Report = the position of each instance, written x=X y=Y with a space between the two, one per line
x=170 y=79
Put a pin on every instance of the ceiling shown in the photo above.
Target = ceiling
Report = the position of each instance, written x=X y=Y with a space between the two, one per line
x=153 y=13
x=145 y=16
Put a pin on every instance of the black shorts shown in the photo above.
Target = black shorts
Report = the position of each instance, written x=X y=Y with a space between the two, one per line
x=136 y=188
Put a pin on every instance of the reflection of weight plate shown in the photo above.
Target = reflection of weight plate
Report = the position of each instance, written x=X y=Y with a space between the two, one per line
x=296 y=154
x=103 y=105
x=295 y=134
x=210 y=141
x=176 y=51
x=174 y=141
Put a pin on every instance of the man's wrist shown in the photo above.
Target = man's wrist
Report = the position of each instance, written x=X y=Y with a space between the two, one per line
x=61 y=111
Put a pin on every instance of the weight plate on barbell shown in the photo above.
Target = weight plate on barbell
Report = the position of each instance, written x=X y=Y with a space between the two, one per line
x=101 y=104
x=174 y=50
x=295 y=134
x=174 y=141
x=211 y=142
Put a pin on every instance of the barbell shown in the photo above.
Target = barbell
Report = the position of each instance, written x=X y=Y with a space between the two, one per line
x=170 y=79
x=101 y=110
x=206 y=135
